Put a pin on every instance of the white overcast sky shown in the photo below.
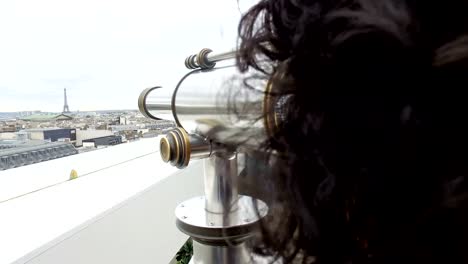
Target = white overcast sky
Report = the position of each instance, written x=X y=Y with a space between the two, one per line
x=104 y=52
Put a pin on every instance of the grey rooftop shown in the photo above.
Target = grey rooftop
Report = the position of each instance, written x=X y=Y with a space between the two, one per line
x=17 y=157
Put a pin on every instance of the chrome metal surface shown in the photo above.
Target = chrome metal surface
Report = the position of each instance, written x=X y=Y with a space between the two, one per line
x=212 y=103
x=205 y=59
x=200 y=147
x=216 y=98
x=221 y=182
x=156 y=107
x=208 y=254
x=216 y=57
x=195 y=221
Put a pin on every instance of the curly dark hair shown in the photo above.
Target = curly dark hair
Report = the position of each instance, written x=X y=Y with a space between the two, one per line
x=369 y=164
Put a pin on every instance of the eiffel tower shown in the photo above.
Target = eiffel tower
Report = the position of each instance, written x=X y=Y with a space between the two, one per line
x=65 y=105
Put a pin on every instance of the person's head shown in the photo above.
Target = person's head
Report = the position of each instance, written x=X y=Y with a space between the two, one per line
x=371 y=159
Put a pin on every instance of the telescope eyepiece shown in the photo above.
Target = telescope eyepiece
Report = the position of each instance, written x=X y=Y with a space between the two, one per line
x=178 y=147
x=165 y=149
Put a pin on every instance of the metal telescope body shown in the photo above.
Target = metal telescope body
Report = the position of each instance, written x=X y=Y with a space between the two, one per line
x=213 y=115
x=211 y=103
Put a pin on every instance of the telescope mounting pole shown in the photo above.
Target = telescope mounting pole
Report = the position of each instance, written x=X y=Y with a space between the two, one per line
x=221 y=221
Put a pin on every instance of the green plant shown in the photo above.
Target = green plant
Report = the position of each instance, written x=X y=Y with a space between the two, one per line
x=185 y=253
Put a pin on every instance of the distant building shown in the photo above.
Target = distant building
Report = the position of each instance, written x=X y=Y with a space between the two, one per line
x=23 y=135
x=122 y=120
x=89 y=134
x=52 y=134
x=151 y=134
x=102 y=141
x=46 y=117
x=161 y=125
x=18 y=143
x=7 y=128
x=118 y=128
x=19 y=156
x=8 y=136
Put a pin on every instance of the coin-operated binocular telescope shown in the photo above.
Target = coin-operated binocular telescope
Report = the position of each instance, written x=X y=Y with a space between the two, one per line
x=216 y=120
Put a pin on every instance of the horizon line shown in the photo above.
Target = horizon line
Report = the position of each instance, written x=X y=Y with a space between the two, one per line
x=78 y=111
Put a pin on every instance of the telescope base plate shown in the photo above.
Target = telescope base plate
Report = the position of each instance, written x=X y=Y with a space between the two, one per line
x=238 y=224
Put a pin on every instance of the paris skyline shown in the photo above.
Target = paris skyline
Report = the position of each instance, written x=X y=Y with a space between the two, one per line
x=105 y=55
